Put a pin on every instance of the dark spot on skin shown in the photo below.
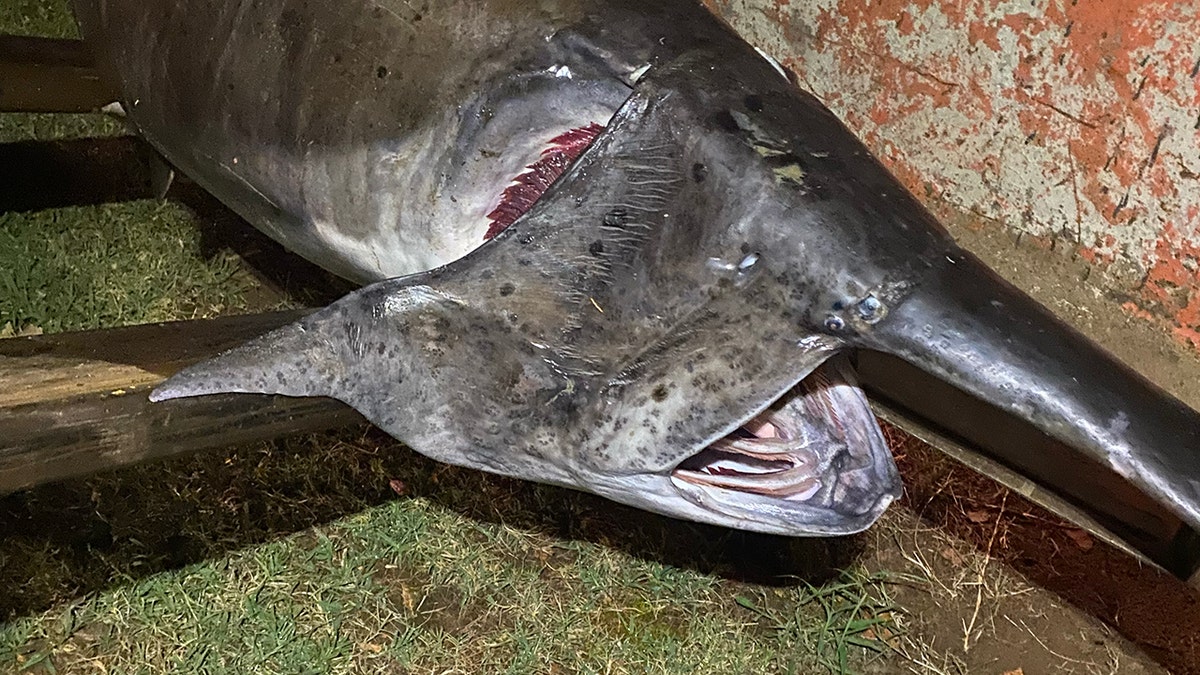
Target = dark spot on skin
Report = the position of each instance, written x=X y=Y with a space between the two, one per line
x=597 y=248
x=725 y=121
x=507 y=290
x=754 y=103
x=290 y=23
x=699 y=172
x=660 y=393
x=381 y=72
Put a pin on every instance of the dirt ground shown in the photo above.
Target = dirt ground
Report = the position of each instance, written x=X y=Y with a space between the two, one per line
x=1015 y=588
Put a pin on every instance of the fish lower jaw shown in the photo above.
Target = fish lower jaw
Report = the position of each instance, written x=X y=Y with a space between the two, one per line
x=812 y=463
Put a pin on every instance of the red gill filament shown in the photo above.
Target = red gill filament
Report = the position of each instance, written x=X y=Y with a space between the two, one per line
x=532 y=183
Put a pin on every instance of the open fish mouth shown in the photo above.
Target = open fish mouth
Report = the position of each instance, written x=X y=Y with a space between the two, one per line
x=817 y=454
x=763 y=465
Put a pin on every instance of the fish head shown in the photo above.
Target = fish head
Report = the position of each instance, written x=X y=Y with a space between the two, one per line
x=665 y=326
x=651 y=330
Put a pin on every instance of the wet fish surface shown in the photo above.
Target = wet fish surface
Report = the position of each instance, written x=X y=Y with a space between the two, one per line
x=604 y=245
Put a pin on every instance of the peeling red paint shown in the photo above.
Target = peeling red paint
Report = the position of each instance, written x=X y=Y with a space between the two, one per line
x=1171 y=283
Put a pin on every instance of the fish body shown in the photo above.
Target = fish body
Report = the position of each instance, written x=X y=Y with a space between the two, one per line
x=368 y=137
x=663 y=326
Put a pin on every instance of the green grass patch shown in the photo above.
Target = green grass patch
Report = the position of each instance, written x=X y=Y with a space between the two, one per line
x=45 y=18
x=297 y=556
x=837 y=618
x=81 y=268
x=46 y=126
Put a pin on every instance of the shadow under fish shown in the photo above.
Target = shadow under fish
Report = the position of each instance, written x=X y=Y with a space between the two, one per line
x=606 y=245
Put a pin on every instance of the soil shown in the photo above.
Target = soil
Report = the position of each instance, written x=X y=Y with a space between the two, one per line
x=1041 y=595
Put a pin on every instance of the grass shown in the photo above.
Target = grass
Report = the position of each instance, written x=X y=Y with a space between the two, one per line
x=347 y=553
x=852 y=612
x=44 y=126
x=90 y=267
x=38 y=18
x=300 y=556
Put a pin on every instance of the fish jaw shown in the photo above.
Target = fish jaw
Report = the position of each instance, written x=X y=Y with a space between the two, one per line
x=823 y=466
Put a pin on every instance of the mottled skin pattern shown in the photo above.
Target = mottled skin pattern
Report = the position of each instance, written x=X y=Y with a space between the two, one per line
x=720 y=240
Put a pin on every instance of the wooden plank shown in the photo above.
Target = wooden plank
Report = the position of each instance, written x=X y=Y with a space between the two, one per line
x=1029 y=462
x=50 y=75
x=75 y=403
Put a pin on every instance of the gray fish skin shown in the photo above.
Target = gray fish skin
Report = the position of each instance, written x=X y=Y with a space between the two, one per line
x=359 y=133
x=723 y=239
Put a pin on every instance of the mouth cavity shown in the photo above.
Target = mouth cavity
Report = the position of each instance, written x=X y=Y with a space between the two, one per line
x=766 y=456
x=820 y=442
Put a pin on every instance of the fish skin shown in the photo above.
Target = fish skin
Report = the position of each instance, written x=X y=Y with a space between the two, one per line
x=542 y=353
x=290 y=111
